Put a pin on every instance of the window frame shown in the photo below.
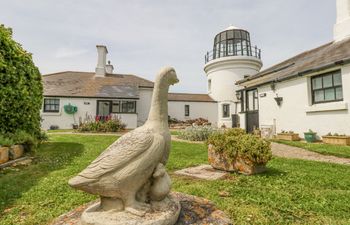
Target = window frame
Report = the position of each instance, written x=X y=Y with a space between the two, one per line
x=54 y=104
x=334 y=87
x=228 y=110
x=187 y=110
x=127 y=102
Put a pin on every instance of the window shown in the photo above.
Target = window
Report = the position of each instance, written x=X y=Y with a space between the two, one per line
x=327 y=87
x=225 y=110
x=252 y=100
x=187 y=110
x=51 y=105
x=128 y=107
x=209 y=85
x=115 y=106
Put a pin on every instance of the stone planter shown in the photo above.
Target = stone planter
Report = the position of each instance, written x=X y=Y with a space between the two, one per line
x=336 y=140
x=221 y=162
x=288 y=136
x=4 y=154
x=16 y=151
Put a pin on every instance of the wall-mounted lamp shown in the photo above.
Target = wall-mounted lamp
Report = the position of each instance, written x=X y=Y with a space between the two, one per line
x=239 y=95
x=273 y=86
x=278 y=100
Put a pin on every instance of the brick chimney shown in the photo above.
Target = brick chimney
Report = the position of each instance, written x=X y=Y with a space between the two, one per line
x=100 y=70
x=342 y=27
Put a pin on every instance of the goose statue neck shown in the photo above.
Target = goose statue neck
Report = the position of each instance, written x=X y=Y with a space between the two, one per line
x=158 y=115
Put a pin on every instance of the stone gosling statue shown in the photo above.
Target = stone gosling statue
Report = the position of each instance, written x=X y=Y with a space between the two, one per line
x=130 y=174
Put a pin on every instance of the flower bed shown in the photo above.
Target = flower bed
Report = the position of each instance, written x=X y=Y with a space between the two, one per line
x=196 y=133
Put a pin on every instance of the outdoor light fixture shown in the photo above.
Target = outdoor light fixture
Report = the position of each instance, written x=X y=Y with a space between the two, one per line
x=273 y=86
x=238 y=95
x=278 y=100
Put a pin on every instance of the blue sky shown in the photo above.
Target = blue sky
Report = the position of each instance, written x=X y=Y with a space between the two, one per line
x=143 y=36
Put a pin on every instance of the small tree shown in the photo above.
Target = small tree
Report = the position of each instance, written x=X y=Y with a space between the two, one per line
x=20 y=88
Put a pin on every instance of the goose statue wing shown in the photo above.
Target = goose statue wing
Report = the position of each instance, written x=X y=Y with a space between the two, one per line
x=120 y=153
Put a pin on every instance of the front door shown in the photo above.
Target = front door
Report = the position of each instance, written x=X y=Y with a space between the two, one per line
x=104 y=108
x=252 y=110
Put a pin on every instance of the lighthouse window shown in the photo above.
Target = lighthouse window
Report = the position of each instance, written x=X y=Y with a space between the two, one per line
x=209 y=85
x=225 y=110
x=187 y=110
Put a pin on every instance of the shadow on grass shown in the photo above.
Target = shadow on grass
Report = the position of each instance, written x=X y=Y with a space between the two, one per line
x=272 y=172
x=48 y=157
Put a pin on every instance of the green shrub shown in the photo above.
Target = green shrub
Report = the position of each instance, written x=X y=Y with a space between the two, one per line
x=196 y=133
x=5 y=141
x=20 y=88
x=236 y=143
x=112 y=125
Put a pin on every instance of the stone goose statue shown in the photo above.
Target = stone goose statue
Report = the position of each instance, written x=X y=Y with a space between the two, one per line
x=128 y=168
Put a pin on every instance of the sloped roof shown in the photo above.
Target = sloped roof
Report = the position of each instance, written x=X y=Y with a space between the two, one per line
x=186 y=97
x=323 y=57
x=85 y=84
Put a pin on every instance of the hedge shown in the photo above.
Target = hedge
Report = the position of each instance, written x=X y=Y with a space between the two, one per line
x=21 y=89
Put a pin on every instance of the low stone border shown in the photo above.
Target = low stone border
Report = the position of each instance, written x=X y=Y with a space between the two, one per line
x=194 y=210
x=20 y=161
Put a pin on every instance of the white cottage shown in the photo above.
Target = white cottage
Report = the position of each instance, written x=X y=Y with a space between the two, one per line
x=103 y=93
x=308 y=91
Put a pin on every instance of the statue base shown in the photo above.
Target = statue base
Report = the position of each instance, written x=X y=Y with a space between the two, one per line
x=165 y=212
x=194 y=211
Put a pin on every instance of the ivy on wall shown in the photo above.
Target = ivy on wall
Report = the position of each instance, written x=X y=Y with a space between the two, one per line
x=21 y=89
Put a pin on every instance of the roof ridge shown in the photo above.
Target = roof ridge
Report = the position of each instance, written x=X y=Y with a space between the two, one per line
x=188 y=93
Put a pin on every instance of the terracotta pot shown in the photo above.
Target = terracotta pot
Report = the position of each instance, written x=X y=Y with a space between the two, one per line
x=221 y=162
x=16 y=151
x=4 y=154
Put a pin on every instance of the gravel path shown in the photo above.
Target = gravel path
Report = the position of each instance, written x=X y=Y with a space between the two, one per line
x=287 y=151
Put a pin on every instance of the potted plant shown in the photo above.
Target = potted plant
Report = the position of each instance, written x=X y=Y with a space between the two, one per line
x=5 y=144
x=288 y=136
x=336 y=139
x=234 y=150
x=310 y=136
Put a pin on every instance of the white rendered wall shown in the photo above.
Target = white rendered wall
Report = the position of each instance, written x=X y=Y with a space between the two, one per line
x=144 y=105
x=65 y=121
x=297 y=112
x=206 y=110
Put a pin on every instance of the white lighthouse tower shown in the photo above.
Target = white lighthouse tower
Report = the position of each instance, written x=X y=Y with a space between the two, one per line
x=231 y=59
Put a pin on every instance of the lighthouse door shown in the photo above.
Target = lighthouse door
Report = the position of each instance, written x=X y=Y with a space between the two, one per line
x=252 y=110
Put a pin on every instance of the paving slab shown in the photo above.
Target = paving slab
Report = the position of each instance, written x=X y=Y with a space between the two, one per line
x=205 y=172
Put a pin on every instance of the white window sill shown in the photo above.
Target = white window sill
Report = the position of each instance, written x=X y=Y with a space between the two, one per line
x=333 y=106
x=51 y=113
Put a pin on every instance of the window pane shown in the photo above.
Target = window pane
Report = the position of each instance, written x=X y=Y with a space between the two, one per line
x=337 y=79
x=319 y=96
x=327 y=81
x=115 y=106
x=250 y=100
x=317 y=83
x=329 y=94
x=339 y=93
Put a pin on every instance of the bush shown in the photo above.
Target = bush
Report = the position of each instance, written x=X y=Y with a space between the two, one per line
x=20 y=88
x=111 y=125
x=5 y=141
x=196 y=133
x=236 y=143
x=54 y=127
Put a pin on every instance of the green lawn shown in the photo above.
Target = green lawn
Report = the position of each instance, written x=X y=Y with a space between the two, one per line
x=291 y=192
x=325 y=149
